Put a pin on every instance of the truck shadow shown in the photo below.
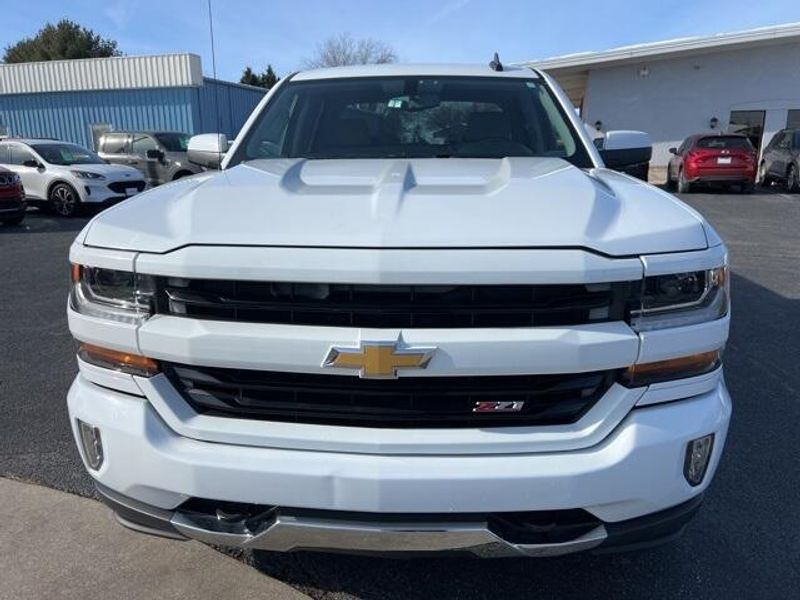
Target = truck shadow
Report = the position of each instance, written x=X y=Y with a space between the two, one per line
x=743 y=542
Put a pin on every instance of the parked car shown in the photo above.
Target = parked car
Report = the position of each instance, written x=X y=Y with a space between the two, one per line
x=64 y=177
x=414 y=312
x=713 y=158
x=781 y=160
x=159 y=155
x=12 y=198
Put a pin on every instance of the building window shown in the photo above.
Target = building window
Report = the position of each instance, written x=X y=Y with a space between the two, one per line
x=749 y=123
x=793 y=119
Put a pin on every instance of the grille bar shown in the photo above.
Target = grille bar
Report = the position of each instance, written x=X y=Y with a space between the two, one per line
x=407 y=402
x=393 y=306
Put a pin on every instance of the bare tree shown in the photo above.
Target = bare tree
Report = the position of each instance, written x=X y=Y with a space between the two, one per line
x=343 y=49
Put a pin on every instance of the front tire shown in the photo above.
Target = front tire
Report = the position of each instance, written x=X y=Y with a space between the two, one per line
x=684 y=187
x=792 y=180
x=64 y=200
x=762 y=178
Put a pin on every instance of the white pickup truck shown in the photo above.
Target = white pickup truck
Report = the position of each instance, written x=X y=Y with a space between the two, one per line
x=413 y=312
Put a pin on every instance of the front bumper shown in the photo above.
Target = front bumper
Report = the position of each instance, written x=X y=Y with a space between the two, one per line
x=635 y=471
x=284 y=530
x=11 y=208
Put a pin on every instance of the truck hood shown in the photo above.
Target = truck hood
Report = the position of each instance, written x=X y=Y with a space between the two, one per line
x=399 y=203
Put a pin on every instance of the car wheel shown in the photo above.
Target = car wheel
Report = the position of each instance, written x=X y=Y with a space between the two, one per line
x=684 y=187
x=763 y=179
x=14 y=221
x=670 y=184
x=792 y=182
x=64 y=200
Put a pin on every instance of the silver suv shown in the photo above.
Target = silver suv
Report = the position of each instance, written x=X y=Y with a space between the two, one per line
x=159 y=155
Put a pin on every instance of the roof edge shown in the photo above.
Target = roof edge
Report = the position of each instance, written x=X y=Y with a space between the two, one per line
x=774 y=33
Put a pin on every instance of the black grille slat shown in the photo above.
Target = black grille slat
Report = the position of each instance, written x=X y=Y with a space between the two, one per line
x=404 y=402
x=393 y=306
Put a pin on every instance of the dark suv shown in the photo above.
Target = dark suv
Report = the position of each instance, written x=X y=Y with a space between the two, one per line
x=781 y=160
x=159 y=155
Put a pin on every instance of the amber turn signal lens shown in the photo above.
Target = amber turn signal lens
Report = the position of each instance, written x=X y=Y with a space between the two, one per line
x=118 y=361
x=75 y=272
x=674 y=368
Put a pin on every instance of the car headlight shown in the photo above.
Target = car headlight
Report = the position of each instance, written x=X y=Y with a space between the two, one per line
x=681 y=299
x=119 y=296
x=87 y=175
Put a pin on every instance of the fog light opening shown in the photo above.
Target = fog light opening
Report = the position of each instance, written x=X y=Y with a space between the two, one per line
x=92 y=444
x=698 y=455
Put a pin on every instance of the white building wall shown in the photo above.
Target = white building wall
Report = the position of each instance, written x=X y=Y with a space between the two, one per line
x=673 y=98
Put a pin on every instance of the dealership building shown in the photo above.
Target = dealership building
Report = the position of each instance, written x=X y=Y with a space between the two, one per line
x=747 y=82
x=78 y=100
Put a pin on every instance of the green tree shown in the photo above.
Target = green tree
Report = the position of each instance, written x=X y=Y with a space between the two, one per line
x=66 y=40
x=266 y=79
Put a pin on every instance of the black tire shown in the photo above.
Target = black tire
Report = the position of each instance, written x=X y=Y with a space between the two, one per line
x=762 y=178
x=181 y=175
x=684 y=187
x=14 y=221
x=746 y=188
x=670 y=184
x=64 y=200
x=792 y=180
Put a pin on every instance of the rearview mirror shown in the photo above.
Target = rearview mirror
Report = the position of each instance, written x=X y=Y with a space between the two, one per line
x=207 y=149
x=627 y=151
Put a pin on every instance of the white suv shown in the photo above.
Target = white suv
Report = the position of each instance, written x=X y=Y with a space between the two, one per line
x=63 y=177
x=413 y=312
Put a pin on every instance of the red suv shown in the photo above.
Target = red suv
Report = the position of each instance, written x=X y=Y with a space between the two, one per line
x=12 y=198
x=723 y=158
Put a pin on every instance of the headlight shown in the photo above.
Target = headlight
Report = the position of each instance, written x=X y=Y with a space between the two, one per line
x=682 y=299
x=87 y=175
x=109 y=294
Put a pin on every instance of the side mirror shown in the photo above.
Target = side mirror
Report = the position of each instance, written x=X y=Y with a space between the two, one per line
x=628 y=151
x=154 y=154
x=31 y=163
x=207 y=149
x=673 y=150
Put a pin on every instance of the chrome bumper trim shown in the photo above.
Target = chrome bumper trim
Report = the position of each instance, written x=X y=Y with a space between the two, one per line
x=286 y=533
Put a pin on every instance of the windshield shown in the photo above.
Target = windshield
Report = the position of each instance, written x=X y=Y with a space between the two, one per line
x=725 y=142
x=413 y=117
x=173 y=142
x=66 y=154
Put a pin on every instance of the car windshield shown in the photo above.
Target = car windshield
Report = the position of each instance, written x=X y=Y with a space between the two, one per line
x=413 y=117
x=173 y=142
x=725 y=142
x=66 y=154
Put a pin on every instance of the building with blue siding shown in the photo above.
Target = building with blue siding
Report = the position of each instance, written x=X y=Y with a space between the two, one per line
x=78 y=100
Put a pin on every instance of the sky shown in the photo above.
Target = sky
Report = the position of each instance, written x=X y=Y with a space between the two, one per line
x=285 y=33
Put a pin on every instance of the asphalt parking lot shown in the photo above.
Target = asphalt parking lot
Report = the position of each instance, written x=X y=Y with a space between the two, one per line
x=745 y=543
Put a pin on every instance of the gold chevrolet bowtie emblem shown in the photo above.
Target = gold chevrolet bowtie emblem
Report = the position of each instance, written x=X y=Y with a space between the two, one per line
x=378 y=360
